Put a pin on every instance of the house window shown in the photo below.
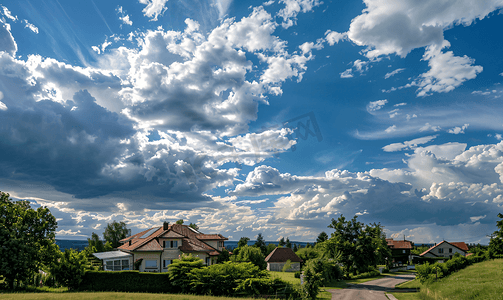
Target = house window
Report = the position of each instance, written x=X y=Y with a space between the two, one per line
x=166 y=263
x=170 y=244
x=440 y=250
x=450 y=250
x=117 y=265
x=403 y=251
x=149 y=264
x=208 y=261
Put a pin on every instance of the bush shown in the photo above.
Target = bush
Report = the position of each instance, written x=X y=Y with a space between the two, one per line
x=369 y=274
x=267 y=286
x=223 y=279
x=70 y=269
x=385 y=270
x=126 y=281
x=179 y=272
x=297 y=274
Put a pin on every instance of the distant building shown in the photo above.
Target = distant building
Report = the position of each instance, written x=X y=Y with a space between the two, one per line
x=400 y=250
x=277 y=259
x=446 y=249
x=157 y=247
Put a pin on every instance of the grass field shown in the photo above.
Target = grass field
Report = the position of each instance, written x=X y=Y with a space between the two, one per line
x=480 y=281
x=286 y=276
x=109 y=295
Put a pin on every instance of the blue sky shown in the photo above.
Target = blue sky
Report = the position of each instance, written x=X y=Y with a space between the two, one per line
x=250 y=117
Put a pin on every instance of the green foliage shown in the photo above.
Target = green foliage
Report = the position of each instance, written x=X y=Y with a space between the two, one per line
x=313 y=279
x=222 y=279
x=194 y=226
x=496 y=242
x=287 y=266
x=137 y=264
x=429 y=272
x=282 y=242
x=243 y=242
x=288 y=244
x=267 y=286
x=126 y=281
x=260 y=243
x=250 y=254
x=369 y=274
x=329 y=269
x=179 y=272
x=114 y=232
x=27 y=239
x=418 y=249
x=297 y=274
x=179 y=222
x=95 y=244
x=270 y=248
x=323 y=236
x=70 y=268
x=359 y=246
x=223 y=256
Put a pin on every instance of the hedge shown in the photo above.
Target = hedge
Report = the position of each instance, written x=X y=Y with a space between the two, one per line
x=427 y=272
x=126 y=281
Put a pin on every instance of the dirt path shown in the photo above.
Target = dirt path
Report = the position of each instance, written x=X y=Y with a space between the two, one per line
x=370 y=290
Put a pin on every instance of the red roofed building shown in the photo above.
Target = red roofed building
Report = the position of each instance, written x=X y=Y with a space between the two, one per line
x=277 y=259
x=446 y=249
x=400 y=250
x=157 y=247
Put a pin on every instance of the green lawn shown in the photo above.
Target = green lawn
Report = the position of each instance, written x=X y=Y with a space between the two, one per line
x=109 y=295
x=286 y=276
x=480 y=281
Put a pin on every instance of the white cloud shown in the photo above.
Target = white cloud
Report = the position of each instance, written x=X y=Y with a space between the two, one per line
x=391 y=129
x=2 y=105
x=498 y=136
x=333 y=37
x=388 y=75
x=393 y=113
x=446 y=71
x=293 y=8
x=7 y=42
x=458 y=130
x=409 y=145
x=8 y=14
x=223 y=6
x=31 y=27
x=347 y=74
x=428 y=127
x=125 y=19
x=154 y=8
x=400 y=104
x=376 y=105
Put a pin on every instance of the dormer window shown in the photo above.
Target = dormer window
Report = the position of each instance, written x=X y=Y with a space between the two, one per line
x=170 y=244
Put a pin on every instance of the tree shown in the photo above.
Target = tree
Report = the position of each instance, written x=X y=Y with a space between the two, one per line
x=223 y=256
x=179 y=222
x=282 y=242
x=260 y=243
x=27 y=239
x=496 y=242
x=95 y=244
x=70 y=268
x=323 y=236
x=288 y=244
x=115 y=232
x=250 y=254
x=194 y=226
x=357 y=245
x=295 y=248
x=243 y=242
x=270 y=248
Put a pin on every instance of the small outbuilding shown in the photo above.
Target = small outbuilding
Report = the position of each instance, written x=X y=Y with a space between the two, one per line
x=279 y=257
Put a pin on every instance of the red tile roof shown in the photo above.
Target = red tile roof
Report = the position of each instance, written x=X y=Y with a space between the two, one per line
x=459 y=245
x=399 y=244
x=282 y=255
x=192 y=240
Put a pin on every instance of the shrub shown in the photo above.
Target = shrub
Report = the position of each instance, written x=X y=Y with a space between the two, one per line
x=385 y=270
x=223 y=279
x=126 y=281
x=267 y=286
x=369 y=274
x=297 y=274
x=70 y=269
x=179 y=272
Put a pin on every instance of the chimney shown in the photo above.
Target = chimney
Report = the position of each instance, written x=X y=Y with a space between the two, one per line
x=165 y=226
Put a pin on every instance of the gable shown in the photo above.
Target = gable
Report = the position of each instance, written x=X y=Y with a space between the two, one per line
x=282 y=255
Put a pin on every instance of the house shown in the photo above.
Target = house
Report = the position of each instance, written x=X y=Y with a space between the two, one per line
x=115 y=260
x=277 y=259
x=446 y=249
x=155 y=248
x=400 y=250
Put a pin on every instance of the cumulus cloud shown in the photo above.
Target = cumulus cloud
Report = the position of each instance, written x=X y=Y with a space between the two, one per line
x=7 y=42
x=458 y=130
x=428 y=127
x=333 y=37
x=123 y=16
x=347 y=74
x=154 y=8
x=31 y=27
x=293 y=8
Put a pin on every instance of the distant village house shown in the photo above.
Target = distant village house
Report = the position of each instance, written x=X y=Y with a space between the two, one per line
x=279 y=257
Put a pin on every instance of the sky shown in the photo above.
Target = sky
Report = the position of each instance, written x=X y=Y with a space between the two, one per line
x=249 y=117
